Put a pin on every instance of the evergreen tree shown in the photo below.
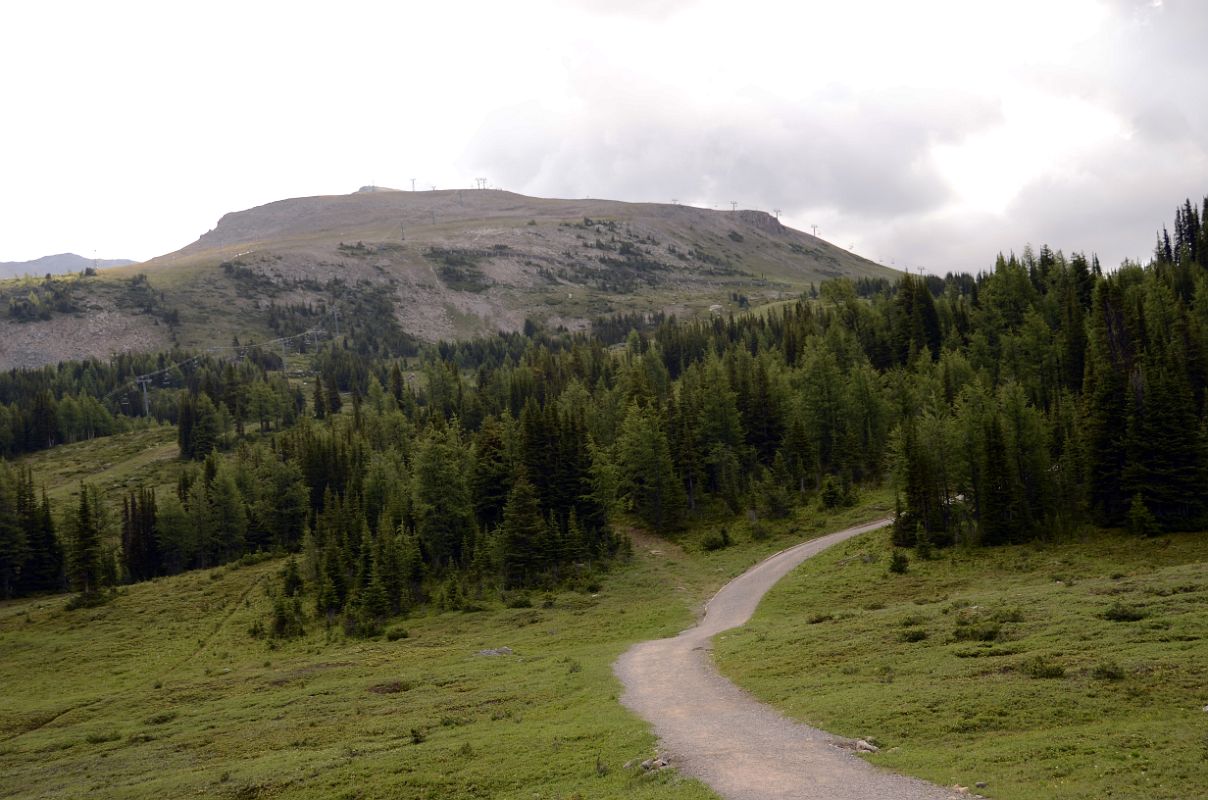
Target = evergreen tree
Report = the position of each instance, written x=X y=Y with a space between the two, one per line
x=43 y=571
x=524 y=531
x=85 y=556
x=441 y=501
x=140 y=546
x=14 y=544
x=319 y=401
x=654 y=491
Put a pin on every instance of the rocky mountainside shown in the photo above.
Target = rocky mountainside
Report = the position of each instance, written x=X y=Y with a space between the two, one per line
x=430 y=265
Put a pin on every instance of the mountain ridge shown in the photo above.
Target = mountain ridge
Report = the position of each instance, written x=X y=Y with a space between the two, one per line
x=429 y=265
x=58 y=264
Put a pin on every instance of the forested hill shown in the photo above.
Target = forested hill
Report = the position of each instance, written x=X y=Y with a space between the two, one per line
x=1011 y=405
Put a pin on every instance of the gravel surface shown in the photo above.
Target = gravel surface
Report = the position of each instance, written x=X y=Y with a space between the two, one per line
x=742 y=748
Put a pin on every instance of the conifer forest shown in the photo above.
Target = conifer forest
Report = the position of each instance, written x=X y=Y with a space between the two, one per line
x=1040 y=395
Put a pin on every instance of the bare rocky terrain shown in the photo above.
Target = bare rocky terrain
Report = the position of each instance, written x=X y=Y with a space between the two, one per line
x=432 y=265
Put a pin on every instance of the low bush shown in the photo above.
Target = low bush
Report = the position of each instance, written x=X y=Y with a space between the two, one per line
x=1119 y=612
x=1041 y=667
x=1107 y=671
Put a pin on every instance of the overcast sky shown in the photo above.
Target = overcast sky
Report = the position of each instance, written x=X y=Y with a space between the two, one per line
x=930 y=134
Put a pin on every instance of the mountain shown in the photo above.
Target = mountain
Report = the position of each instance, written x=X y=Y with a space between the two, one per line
x=57 y=265
x=430 y=265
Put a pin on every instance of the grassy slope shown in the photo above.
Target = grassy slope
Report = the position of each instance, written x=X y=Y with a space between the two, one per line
x=827 y=646
x=113 y=464
x=163 y=693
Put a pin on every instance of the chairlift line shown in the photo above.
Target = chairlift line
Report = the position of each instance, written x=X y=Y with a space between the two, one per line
x=242 y=349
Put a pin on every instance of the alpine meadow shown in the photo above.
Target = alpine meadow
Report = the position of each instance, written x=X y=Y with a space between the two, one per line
x=311 y=540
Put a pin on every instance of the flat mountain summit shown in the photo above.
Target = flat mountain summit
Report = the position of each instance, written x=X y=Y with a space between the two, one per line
x=428 y=265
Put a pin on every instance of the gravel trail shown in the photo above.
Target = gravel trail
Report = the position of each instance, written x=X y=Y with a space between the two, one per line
x=742 y=748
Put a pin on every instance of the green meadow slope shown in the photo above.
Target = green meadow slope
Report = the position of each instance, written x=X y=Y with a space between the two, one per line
x=1076 y=669
x=164 y=692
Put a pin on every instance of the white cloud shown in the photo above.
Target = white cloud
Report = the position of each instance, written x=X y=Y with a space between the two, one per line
x=933 y=133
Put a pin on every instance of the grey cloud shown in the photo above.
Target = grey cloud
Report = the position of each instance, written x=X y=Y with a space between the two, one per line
x=635 y=140
x=859 y=164
x=1110 y=204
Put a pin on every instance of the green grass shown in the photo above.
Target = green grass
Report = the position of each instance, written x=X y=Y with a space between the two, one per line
x=1069 y=670
x=163 y=692
x=114 y=464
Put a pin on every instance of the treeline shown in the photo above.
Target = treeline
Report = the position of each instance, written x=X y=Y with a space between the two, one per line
x=1007 y=406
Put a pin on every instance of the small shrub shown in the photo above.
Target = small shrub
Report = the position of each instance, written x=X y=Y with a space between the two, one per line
x=417 y=736
x=358 y=624
x=718 y=540
x=291 y=578
x=922 y=545
x=1119 y=612
x=1013 y=614
x=832 y=492
x=1141 y=521
x=898 y=562
x=817 y=618
x=392 y=687
x=89 y=600
x=287 y=618
x=976 y=631
x=1042 y=668
x=1107 y=671
x=396 y=633
x=102 y=737
x=913 y=635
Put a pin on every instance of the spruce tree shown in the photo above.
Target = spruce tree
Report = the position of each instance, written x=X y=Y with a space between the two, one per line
x=656 y=494
x=523 y=530
x=84 y=558
x=14 y=545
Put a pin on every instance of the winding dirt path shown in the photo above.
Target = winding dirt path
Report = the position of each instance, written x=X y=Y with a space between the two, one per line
x=742 y=748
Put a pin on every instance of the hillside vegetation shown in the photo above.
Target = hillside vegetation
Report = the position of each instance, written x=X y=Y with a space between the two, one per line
x=164 y=692
x=427 y=265
x=1039 y=403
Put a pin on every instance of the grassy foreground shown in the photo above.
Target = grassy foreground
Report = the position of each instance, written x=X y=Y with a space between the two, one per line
x=1070 y=670
x=163 y=693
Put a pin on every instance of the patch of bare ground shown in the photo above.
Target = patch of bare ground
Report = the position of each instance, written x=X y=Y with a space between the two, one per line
x=97 y=334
